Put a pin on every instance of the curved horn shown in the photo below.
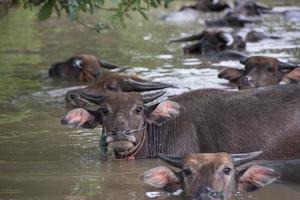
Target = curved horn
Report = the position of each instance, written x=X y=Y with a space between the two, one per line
x=153 y=96
x=188 y=38
x=244 y=60
x=108 y=65
x=77 y=63
x=228 y=38
x=146 y=86
x=283 y=65
x=96 y=99
x=176 y=161
x=239 y=159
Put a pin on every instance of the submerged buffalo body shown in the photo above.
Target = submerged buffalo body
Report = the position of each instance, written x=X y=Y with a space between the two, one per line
x=199 y=121
x=261 y=71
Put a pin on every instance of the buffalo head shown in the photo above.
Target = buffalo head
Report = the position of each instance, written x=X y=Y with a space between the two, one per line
x=85 y=68
x=124 y=118
x=210 y=176
x=255 y=36
x=250 y=8
x=112 y=82
x=212 y=42
x=209 y=5
x=232 y=19
x=260 y=71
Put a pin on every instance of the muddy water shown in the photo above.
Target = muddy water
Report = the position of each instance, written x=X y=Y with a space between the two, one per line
x=40 y=159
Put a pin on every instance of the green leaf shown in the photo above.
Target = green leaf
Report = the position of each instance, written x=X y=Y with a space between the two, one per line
x=46 y=10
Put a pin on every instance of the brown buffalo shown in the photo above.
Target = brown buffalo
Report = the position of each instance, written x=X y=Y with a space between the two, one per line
x=211 y=42
x=85 y=68
x=208 y=6
x=112 y=82
x=211 y=176
x=256 y=36
x=208 y=120
x=261 y=71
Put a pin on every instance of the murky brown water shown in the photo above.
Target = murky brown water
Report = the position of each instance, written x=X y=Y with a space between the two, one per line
x=39 y=158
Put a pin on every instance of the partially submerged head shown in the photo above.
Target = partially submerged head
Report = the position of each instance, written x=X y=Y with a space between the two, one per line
x=211 y=42
x=124 y=117
x=259 y=71
x=82 y=67
x=210 y=176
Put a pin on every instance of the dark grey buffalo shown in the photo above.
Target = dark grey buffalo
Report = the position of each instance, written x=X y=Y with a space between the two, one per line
x=211 y=42
x=216 y=176
x=250 y=8
x=232 y=19
x=261 y=71
x=208 y=120
x=208 y=5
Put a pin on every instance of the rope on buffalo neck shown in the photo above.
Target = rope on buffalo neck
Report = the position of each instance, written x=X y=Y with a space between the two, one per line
x=103 y=144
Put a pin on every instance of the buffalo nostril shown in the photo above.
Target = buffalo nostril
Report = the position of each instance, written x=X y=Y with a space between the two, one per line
x=114 y=132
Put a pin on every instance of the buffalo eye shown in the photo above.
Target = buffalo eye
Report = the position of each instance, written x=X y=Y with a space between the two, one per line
x=270 y=69
x=187 y=171
x=138 y=110
x=104 y=110
x=227 y=170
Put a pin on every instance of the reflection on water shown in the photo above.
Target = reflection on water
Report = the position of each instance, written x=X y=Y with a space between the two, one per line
x=40 y=159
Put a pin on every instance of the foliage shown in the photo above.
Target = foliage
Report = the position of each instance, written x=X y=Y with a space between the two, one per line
x=119 y=9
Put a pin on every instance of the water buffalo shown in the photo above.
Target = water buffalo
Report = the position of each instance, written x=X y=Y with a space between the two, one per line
x=232 y=19
x=256 y=36
x=208 y=6
x=211 y=176
x=112 y=82
x=85 y=68
x=250 y=8
x=220 y=174
x=261 y=71
x=208 y=120
x=210 y=42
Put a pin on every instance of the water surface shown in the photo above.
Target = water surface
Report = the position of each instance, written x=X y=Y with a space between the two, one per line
x=40 y=159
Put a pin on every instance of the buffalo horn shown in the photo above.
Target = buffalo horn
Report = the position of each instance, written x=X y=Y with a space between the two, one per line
x=146 y=86
x=283 y=65
x=152 y=96
x=77 y=63
x=176 y=161
x=228 y=38
x=108 y=65
x=96 y=99
x=188 y=38
x=239 y=159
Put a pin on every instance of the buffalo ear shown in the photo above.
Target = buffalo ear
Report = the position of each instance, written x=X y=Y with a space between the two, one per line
x=81 y=118
x=160 y=177
x=292 y=77
x=231 y=74
x=256 y=177
x=162 y=112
